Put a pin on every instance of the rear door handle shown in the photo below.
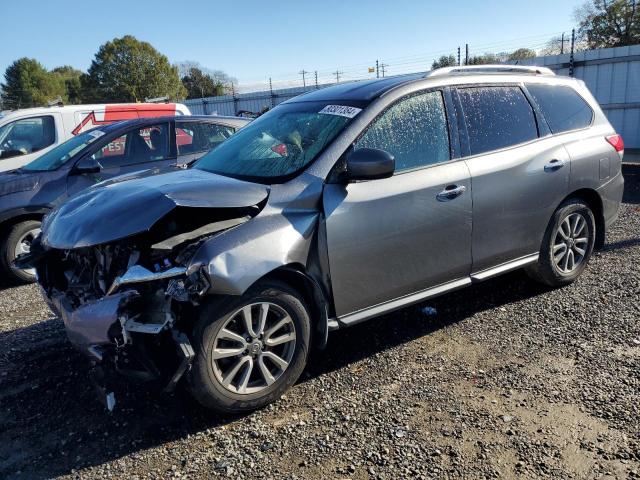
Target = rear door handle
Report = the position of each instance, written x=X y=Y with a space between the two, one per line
x=554 y=165
x=450 y=192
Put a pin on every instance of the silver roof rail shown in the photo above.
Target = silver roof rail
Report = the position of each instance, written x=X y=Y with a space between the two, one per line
x=490 y=69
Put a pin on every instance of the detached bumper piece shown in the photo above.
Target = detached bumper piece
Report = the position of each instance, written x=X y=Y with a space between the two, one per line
x=110 y=332
x=94 y=323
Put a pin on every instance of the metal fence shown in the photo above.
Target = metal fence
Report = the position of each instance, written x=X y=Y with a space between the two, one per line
x=254 y=102
x=612 y=75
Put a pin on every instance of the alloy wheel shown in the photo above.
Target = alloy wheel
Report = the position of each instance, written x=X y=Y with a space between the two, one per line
x=571 y=243
x=253 y=348
x=23 y=245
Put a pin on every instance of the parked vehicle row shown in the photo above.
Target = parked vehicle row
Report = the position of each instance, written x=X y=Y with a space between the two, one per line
x=103 y=152
x=332 y=208
x=28 y=133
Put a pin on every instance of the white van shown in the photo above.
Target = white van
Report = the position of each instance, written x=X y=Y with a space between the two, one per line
x=28 y=133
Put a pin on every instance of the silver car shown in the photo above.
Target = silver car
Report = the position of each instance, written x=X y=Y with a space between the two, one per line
x=334 y=207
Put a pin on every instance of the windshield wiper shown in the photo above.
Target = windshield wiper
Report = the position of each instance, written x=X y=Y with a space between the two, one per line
x=187 y=164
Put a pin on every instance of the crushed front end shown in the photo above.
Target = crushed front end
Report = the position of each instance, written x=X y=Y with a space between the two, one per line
x=126 y=307
x=129 y=304
x=116 y=262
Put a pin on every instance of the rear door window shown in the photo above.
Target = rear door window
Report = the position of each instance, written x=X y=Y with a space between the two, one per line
x=194 y=137
x=27 y=135
x=142 y=145
x=497 y=117
x=561 y=106
x=414 y=130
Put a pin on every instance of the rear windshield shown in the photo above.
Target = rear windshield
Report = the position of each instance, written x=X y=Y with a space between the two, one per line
x=58 y=156
x=279 y=143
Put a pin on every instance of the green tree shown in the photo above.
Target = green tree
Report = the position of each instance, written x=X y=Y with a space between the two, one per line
x=609 y=23
x=128 y=70
x=204 y=82
x=486 y=59
x=71 y=80
x=199 y=84
x=444 y=61
x=28 y=84
x=522 y=54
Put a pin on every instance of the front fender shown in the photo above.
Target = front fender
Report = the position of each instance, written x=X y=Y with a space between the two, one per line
x=237 y=258
x=22 y=211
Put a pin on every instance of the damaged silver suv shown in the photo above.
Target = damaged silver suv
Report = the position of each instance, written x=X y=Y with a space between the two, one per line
x=334 y=207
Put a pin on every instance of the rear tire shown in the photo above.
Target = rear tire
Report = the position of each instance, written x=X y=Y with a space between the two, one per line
x=566 y=246
x=223 y=344
x=17 y=240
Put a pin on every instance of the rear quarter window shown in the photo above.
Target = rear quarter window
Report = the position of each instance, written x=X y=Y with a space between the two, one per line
x=497 y=117
x=562 y=107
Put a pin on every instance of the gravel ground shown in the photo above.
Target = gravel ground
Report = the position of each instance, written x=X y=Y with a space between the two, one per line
x=507 y=380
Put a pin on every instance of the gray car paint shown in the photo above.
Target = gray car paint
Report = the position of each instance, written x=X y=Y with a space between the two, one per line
x=524 y=162
x=370 y=277
x=88 y=325
x=102 y=214
x=514 y=198
x=281 y=234
x=396 y=252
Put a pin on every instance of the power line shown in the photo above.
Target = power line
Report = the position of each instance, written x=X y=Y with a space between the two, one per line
x=414 y=63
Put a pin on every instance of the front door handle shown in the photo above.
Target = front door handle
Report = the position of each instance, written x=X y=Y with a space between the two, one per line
x=554 y=165
x=450 y=192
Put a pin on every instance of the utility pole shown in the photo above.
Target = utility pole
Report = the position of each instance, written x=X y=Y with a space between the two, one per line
x=271 y=93
x=466 y=54
x=382 y=67
x=573 y=44
x=337 y=74
x=304 y=80
x=235 y=99
x=562 y=45
x=458 y=56
x=377 y=69
x=316 y=74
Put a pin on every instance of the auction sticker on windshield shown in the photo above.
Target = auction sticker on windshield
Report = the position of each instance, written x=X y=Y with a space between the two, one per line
x=96 y=134
x=341 y=110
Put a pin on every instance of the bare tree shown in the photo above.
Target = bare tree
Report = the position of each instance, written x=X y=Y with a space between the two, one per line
x=609 y=23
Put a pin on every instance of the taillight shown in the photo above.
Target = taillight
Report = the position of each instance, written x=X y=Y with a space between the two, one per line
x=280 y=149
x=616 y=142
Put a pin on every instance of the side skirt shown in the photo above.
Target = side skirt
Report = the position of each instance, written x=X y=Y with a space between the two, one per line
x=504 y=268
x=382 y=308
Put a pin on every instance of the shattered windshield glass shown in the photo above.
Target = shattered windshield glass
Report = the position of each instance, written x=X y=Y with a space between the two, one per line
x=279 y=143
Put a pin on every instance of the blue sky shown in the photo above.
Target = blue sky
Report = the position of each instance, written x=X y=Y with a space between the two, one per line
x=253 y=40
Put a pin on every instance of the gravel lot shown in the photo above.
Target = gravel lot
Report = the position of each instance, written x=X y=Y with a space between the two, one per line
x=508 y=379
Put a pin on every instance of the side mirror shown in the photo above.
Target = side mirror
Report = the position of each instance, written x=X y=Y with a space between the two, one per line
x=370 y=164
x=87 y=165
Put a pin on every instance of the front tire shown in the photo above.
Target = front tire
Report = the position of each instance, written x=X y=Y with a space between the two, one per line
x=17 y=241
x=249 y=349
x=567 y=245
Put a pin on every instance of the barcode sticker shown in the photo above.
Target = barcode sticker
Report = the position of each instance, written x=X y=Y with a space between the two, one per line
x=96 y=134
x=341 y=110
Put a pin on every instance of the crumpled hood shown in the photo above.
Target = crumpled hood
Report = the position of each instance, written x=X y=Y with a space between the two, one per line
x=15 y=182
x=118 y=209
